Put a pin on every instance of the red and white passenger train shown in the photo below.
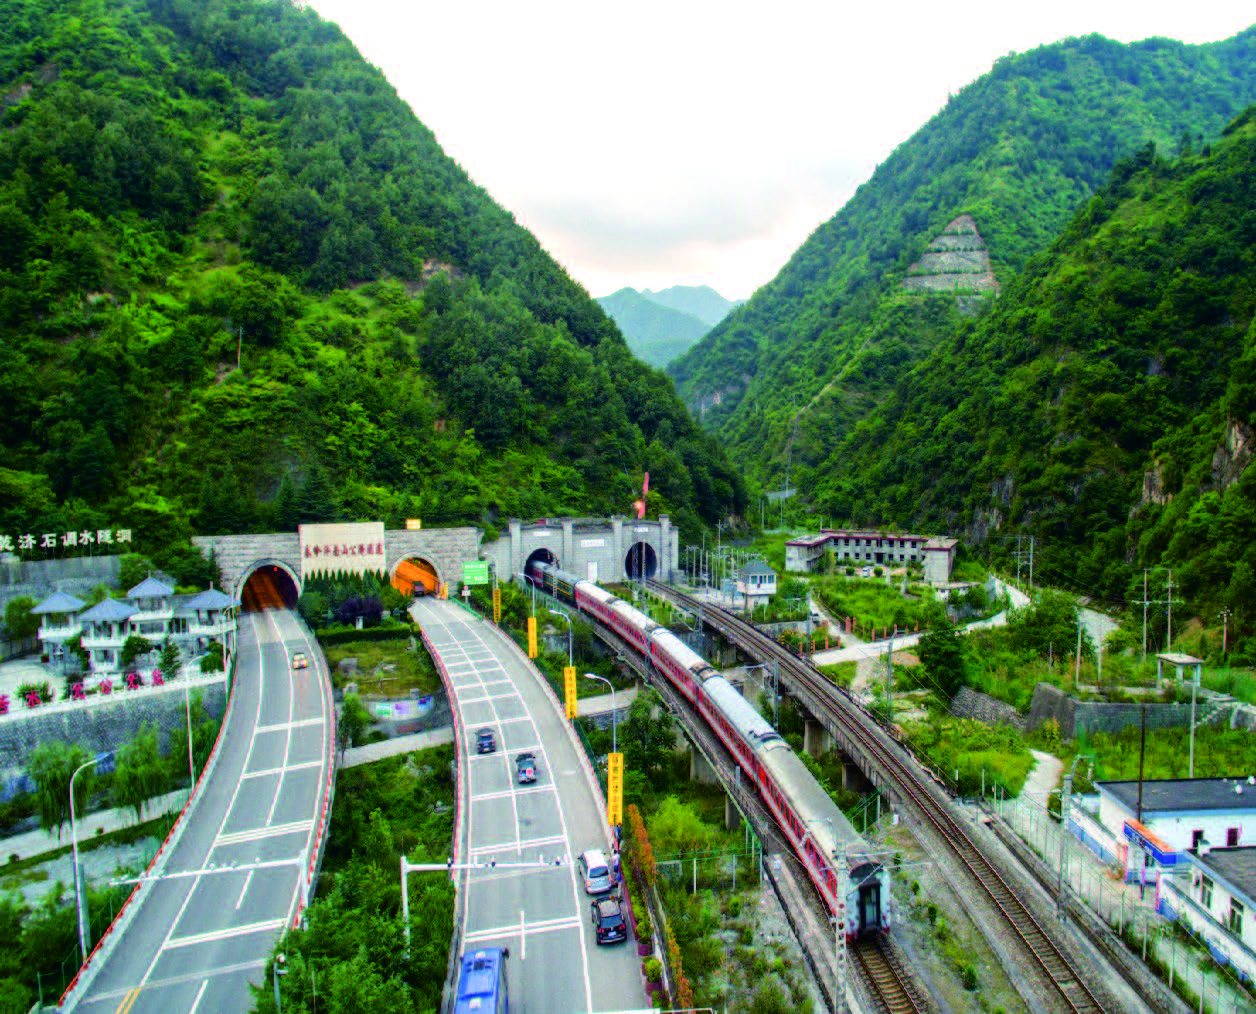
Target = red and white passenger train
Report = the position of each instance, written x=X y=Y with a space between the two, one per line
x=810 y=820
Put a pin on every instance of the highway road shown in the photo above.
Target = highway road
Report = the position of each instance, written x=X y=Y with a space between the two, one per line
x=556 y=965
x=197 y=940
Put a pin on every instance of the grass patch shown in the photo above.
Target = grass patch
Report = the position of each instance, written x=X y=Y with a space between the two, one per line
x=412 y=670
x=973 y=747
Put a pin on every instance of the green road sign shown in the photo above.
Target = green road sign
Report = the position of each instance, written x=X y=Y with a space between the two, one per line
x=475 y=572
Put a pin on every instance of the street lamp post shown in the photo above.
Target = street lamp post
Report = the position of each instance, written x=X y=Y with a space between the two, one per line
x=83 y=928
x=614 y=713
x=280 y=971
x=567 y=616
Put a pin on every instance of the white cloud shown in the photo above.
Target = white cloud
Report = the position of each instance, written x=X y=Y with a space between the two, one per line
x=684 y=142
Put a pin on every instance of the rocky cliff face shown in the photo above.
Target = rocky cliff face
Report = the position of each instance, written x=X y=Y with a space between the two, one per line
x=956 y=261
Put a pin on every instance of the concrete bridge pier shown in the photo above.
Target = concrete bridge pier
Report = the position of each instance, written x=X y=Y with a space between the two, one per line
x=732 y=816
x=816 y=739
x=700 y=769
x=853 y=778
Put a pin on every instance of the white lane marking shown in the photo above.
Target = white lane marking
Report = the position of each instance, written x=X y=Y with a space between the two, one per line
x=518 y=845
x=523 y=939
x=199 y=993
x=257 y=833
x=507 y=932
x=483 y=876
x=518 y=792
x=292 y=704
x=575 y=893
x=179 y=980
x=225 y=934
x=486 y=697
x=247 y=880
x=287 y=767
x=469 y=726
x=261 y=687
x=576 y=900
x=287 y=726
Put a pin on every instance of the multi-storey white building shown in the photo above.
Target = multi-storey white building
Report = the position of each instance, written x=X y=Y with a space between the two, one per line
x=865 y=547
x=150 y=610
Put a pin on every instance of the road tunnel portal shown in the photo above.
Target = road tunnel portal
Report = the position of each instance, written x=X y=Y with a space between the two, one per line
x=269 y=586
x=415 y=572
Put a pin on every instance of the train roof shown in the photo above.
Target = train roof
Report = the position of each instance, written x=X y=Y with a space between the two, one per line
x=753 y=726
x=815 y=805
x=636 y=617
x=596 y=591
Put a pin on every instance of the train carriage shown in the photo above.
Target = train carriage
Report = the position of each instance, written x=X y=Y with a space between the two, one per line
x=682 y=665
x=815 y=827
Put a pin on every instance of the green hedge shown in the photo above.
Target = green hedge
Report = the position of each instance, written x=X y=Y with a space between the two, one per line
x=367 y=634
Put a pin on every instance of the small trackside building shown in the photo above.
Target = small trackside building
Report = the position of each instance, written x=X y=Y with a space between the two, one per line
x=869 y=547
x=756 y=583
x=1215 y=895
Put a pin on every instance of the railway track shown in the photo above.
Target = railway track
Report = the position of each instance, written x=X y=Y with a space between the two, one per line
x=880 y=967
x=1054 y=966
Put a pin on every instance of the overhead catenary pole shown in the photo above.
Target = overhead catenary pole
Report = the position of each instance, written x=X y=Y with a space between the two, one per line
x=1031 y=561
x=1225 y=619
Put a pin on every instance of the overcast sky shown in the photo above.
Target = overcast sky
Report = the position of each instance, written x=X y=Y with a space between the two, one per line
x=687 y=143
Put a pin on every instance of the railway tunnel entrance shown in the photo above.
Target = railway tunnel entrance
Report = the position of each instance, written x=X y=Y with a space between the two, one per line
x=641 y=561
x=269 y=586
x=539 y=556
x=413 y=573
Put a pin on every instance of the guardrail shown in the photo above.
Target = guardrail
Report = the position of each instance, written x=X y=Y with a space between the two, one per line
x=315 y=865
x=88 y=970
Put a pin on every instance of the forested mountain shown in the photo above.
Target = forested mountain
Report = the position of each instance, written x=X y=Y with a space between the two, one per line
x=242 y=286
x=655 y=333
x=1105 y=405
x=788 y=375
x=699 y=301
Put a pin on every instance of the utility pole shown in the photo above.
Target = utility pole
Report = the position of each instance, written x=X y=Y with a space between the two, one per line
x=1077 y=665
x=1225 y=619
x=1031 y=561
x=1145 y=604
x=1169 y=636
x=1018 y=560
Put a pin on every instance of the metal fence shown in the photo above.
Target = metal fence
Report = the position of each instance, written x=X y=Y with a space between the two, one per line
x=1133 y=909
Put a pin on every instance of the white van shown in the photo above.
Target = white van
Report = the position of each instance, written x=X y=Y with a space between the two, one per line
x=596 y=872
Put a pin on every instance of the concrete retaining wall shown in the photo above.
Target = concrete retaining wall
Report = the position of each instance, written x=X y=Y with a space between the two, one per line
x=1076 y=717
x=968 y=703
x=99 y=725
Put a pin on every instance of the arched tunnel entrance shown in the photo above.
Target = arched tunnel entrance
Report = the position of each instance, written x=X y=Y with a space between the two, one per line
x=415 y=572
x=269 y=587
x=641 y=559
x=539 y=556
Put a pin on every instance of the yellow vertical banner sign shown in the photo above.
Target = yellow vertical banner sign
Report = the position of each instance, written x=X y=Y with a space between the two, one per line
x=497 y=605
x=615 y=789
x=569 y=681
x=531 y=637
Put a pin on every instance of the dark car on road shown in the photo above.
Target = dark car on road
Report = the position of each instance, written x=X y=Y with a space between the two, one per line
x=608 y=921
x=525 y=764
x=484 y=741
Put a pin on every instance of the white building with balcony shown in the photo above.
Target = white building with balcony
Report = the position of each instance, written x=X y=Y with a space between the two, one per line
x=150 y=610
x=59 y=622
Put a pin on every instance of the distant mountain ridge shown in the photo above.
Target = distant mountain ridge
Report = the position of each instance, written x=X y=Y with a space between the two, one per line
x=788 y=376
x=659 y=326
x=699 y=301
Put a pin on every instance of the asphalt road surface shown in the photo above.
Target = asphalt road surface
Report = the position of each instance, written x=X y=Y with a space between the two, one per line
x=198 y=940
x=542 y=914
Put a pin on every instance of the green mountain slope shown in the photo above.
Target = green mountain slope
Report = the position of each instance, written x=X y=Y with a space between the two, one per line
x=242 y=286
x=699 y=301
x=655 y=333
x=1106 y=404
x=787 y=375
